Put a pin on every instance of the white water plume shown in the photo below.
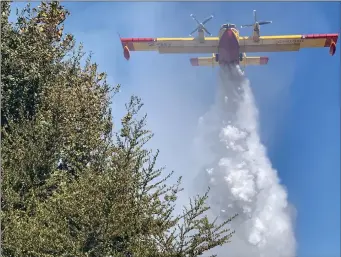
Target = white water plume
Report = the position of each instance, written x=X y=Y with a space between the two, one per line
x=235 y=166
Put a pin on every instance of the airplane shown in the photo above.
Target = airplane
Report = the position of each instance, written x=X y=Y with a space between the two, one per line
x=229 y=47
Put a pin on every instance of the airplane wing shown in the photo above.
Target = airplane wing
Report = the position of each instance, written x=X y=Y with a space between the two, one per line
x=288 y=43
x=170 y=45
x=210 y=61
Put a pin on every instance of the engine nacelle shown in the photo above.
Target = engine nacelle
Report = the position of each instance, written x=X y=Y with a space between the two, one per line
x=332 y=48
x=126 y=52
x=217 y=57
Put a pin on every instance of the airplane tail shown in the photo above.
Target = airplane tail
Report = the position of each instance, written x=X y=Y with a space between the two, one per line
x=211 y=61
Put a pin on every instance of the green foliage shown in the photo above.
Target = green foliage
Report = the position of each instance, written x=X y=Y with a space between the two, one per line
x=70 y=186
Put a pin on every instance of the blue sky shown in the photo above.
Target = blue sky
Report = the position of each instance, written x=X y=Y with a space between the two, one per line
x=297 y=94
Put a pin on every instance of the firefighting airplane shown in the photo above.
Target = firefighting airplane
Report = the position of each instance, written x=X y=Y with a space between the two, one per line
x=229 y=48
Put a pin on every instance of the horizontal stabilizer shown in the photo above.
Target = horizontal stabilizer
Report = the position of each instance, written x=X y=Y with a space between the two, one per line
x=210 y=61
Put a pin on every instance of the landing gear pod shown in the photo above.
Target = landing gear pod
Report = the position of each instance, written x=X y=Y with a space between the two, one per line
x=126 y=52
x=332 y=48
x=241 y=57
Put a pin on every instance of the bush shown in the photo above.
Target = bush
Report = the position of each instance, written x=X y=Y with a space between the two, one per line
x=70 y=185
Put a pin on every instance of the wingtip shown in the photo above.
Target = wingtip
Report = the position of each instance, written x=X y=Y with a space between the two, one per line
x=264 y=60
x=194 y=61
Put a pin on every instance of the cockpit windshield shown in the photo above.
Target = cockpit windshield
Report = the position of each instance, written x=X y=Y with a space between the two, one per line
x=228 y=26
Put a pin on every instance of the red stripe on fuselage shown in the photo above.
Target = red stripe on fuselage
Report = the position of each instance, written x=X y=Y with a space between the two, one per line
x=228 y=48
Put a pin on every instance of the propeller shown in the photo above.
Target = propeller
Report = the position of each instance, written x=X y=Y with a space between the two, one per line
x=256 y=22
x=201 y=26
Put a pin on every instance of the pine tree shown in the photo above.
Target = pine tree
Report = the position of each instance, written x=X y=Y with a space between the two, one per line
x=71 y=185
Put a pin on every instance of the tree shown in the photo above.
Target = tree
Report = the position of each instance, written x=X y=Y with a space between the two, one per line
x=70 y=185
